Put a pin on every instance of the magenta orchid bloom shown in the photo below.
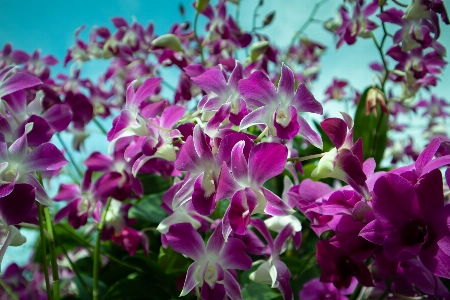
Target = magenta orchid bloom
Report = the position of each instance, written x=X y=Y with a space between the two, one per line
x=19 y=166
x=411 y=220
x=274 y=271
x=132 y=120
x=242 y=183
x=279 y=109
x=212 y=264
x=15 y=82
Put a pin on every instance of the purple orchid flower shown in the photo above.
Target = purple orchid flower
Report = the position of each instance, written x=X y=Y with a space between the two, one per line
x=358 y=25
x=339 y=268
x=345 y=161
x=9 y=57
x=14 y=209
x=132 y=120
x=212 y=264
x=336 y=90
x=18 y=165
x=279 y=109
x=427 y=9
x=225 y=99
x=15 y=82
x=130 y=239
x=317 y=290
x=274 y=271
x=411 y=220
x=413 y=33
x=245 y=186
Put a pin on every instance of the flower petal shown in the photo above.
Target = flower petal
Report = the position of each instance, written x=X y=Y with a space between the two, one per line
x=265 y=161
x=184 y=239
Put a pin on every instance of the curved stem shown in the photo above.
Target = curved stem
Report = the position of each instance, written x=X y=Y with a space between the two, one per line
x=263 y=133
x=97 y=250
x=303 y=27
x=69 y=155
x=298 y=159
x=100 y=126
x=44 y=256
x=399 y=3
x=198 y=39
x=8 y=290
x=51 y=242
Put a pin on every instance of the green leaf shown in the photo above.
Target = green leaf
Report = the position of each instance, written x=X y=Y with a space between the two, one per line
x=136 y=288
x=154 y=184
x=102 y=288
x=372 y=129
x=259 y=291
x=173 y=262
x=148 y=209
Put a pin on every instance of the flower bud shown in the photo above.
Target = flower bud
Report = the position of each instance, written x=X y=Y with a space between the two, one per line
x=257 y=49
x=201 y=5
x=168 y=41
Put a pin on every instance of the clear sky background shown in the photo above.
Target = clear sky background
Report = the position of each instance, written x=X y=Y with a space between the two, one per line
x=49 y=25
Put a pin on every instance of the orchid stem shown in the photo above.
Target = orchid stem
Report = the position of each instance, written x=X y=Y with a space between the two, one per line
x=44 y=255
x=69 y=155
x=303 y=27
x=204 y=218
x=168 y=85
x=198 y=39
x=399 y=3
x=298 y=159
x=51 y=242
x=100 y=126
x=97 y=250
x=262 y=134
x=8 y=290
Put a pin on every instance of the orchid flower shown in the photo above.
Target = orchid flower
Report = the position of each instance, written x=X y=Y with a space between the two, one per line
x=212 y=264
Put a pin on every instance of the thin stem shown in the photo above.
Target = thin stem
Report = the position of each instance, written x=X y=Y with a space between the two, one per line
x=75 y=269
x=303 y=27
x=90 y=248
x=380 y=50
x=399 y=3
x=197 y=38
x=255 y=14
x=44 y=255
x=97 y=250
x=168 y=85
x=387 y=291
x=51 y=242
x=263 y=133
x=204 y=218
x=8 y=290
x=298 y=159
x=355 y=293
x=69 y=155
x=100 y=126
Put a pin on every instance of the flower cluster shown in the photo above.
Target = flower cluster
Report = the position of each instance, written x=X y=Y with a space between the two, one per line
x=217 y=191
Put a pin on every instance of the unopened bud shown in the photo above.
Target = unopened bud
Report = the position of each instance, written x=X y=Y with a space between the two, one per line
x=257 y=49
x=201 y=5
x=168 y=41
x=373 y=96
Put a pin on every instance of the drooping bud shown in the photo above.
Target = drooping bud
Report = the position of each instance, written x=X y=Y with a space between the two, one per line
x=257 y=49
x=168 y=41
x=201 y=5
x=373 y=96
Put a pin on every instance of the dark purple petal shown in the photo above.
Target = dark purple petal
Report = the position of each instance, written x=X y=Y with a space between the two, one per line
x=430 y=194
x=275 y=206
x=258 y=87
x=190 y=282
x=241 y=208
x=235 y=76
x=43 y=158
x=58 y=116
x=427 y=155
x=394 y=200
x=212 y=81
x=227 y=144
x=309 y=134
x=16 y=206
x=376 y=231
x=227 y=185
x=232 y=287
x=286 y=85
x=290 y=130
x=203 y=199
x=201 y=146
x=239 y=165
x=336 y=129
x=304 y=101
x=184 y=239
x=265 y=161
x=145 y=90
x=233 y=255
x=188 y=159
x=16 y=82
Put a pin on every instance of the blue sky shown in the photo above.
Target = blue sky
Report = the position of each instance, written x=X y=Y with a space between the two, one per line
x=49 y=25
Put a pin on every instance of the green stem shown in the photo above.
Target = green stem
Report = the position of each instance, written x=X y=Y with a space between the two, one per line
x=303 y=27
x=44 y=255
x=100 y=126
x=263 y=133
x=297 y=159
x=97 y=250
x=89 y=247
x=168 y=85
x=356 y=292
x=75 y=269
x=51 y=242
x=8 y=290
x=198 y=39
x=387 y=291
x=255 y=14
x=69 y=155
